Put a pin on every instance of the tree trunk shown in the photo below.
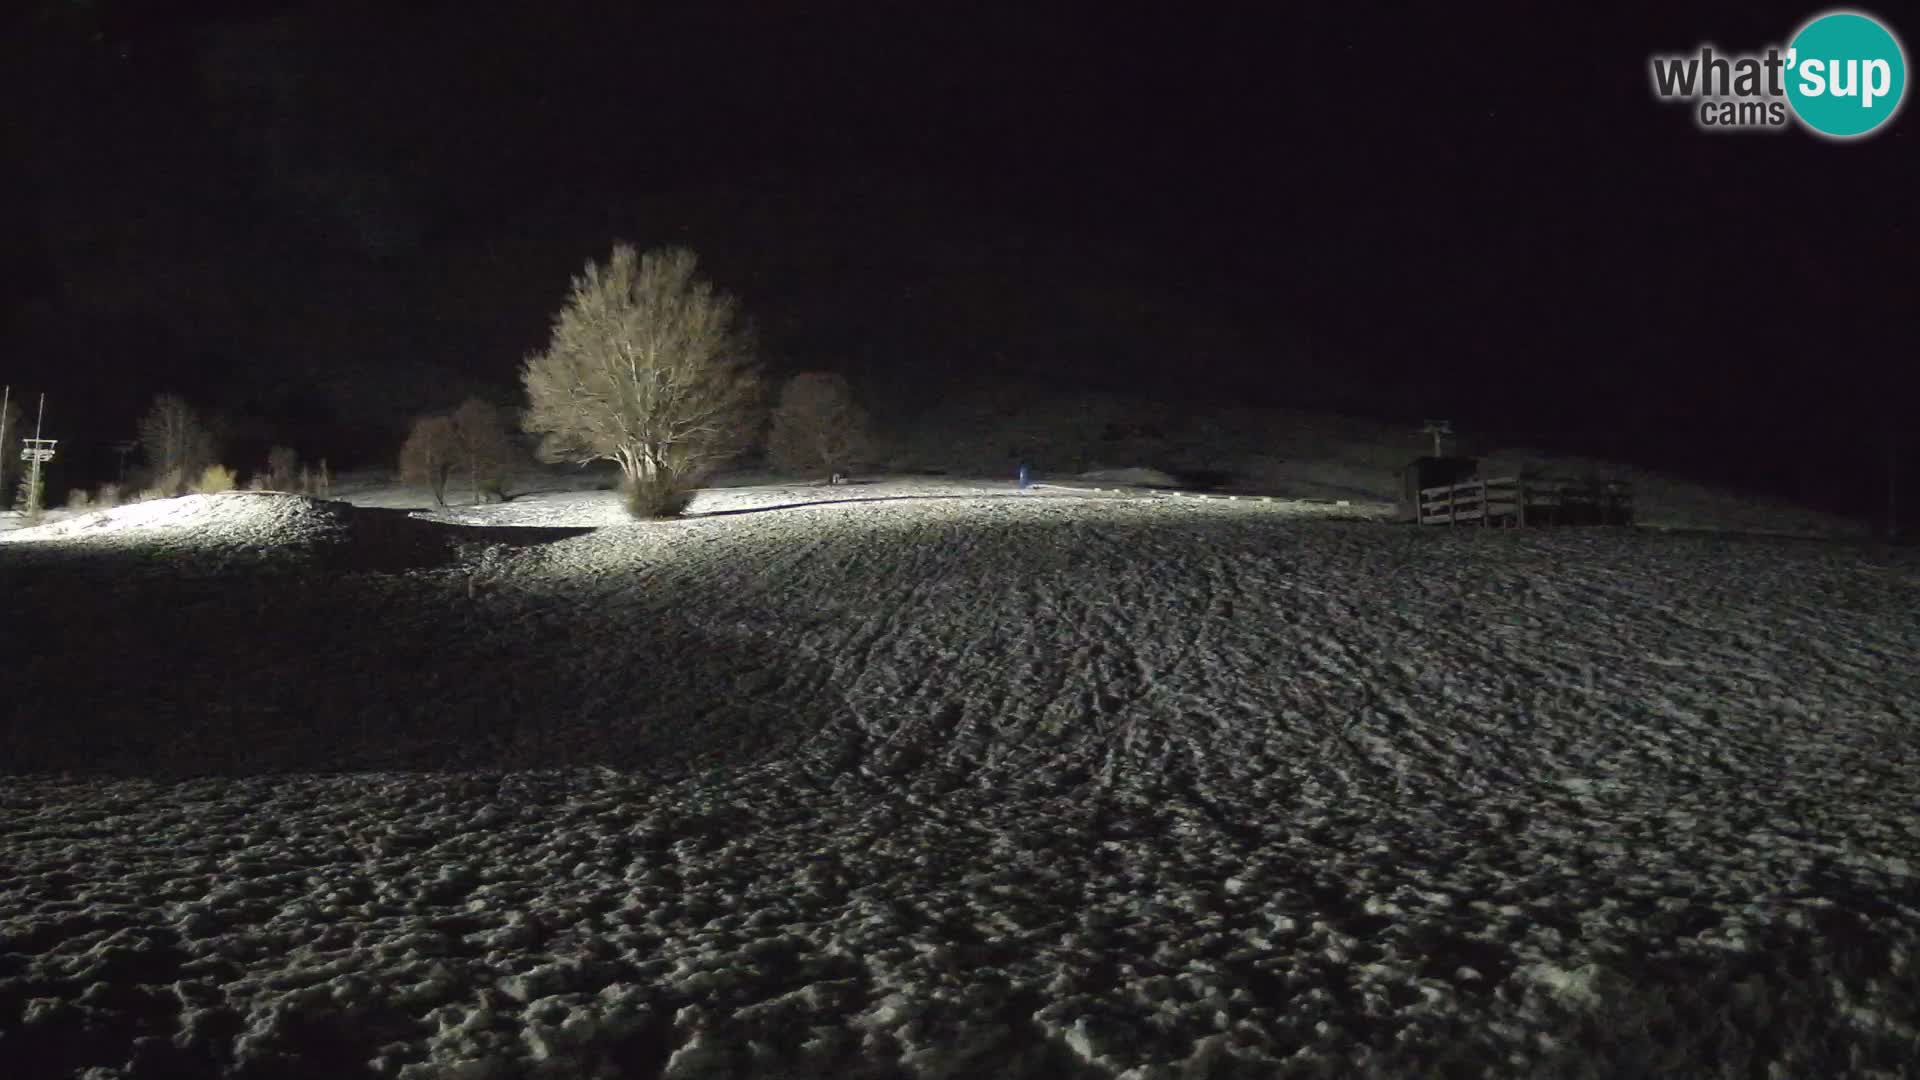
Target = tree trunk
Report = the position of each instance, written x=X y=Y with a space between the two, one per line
x=629 y=463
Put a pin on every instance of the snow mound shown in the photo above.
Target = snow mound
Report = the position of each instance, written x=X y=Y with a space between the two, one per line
x=212 y=533
x=244 y=517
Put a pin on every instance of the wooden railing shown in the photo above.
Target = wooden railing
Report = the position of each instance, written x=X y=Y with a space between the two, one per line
x=1528 y=500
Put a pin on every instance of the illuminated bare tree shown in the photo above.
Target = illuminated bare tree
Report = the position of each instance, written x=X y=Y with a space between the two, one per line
x=817 y=425
x=648 y=367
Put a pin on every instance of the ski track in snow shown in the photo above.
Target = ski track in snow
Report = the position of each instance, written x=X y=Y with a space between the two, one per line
x=934 y=782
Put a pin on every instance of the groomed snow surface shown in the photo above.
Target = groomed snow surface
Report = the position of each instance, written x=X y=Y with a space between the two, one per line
x=940 y=780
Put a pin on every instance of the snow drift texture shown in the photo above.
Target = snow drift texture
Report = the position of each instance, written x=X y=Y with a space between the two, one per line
x=938 y=781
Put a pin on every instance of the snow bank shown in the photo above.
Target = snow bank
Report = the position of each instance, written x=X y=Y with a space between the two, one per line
x=234 y=531
x=227 y=518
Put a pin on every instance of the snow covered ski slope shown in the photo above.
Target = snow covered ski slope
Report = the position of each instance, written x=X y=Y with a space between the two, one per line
x=952 y=784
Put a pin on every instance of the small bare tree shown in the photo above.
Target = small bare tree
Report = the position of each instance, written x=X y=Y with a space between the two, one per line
x=817 y=425
x=176 y=442
x=427 y=457
x=647 y=367
x=283 y=468
x=482 y=447
x=10 y=435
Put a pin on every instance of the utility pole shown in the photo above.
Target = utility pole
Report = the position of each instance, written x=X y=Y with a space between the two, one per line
x=33 y=485
x=37 y=450
x=1439 y=429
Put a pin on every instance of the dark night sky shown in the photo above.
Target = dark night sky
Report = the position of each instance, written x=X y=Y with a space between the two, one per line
x=349 y=211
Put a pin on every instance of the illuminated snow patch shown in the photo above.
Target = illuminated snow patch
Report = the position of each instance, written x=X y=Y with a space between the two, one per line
x=248 y=517
x=956 y=782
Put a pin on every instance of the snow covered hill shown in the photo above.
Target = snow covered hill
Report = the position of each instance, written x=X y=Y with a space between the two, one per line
x=989 y=428
x=933 y=779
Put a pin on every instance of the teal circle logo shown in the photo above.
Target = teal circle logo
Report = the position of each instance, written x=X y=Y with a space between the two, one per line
x=1846 y=74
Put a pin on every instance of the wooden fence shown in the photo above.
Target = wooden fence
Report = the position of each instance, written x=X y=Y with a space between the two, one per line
x=1525 y=500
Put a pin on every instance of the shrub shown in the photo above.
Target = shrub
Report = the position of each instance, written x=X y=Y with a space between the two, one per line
x=661 y=495
x=647 y=367
x=164 y=486
x=79 y=499
x=107 y=496
x=213 y=480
